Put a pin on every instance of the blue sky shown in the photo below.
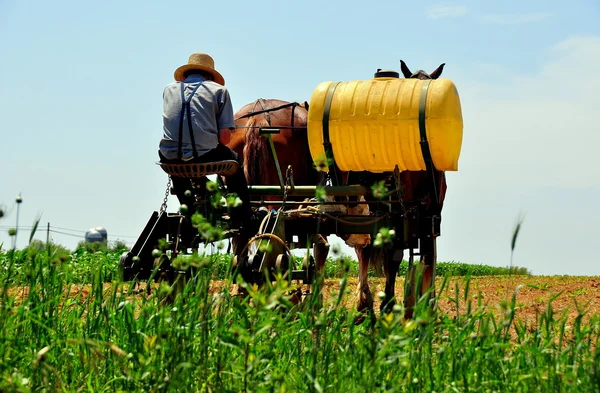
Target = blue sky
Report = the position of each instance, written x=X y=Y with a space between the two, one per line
x=81 y=105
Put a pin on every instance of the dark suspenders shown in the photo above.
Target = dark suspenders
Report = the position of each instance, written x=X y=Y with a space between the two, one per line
x=185 y=108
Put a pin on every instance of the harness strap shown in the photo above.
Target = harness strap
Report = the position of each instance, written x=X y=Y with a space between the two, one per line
x=425 y=144
x=293 y=113
x=326 y=141
x=192 y=139
x=268 y=115
x=293 y=104
x=186 y=108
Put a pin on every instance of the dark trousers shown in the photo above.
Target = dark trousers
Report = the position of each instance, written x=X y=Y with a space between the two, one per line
x=236 y=183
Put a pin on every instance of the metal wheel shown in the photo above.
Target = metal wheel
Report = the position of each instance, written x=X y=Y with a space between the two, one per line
x=249 y=269
x=282 y=265
x=234 y=263
x=163 y=265
x=308 y=265
x=125 y=261
x=255 y=261
x=164 y=274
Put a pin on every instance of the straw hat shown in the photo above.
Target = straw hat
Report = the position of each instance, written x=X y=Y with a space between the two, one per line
x=201 y=62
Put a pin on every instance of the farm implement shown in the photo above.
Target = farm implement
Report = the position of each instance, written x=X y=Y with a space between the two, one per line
x=379 y=149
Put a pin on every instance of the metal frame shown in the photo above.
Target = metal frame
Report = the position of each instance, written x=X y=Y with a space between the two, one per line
x=415 y=228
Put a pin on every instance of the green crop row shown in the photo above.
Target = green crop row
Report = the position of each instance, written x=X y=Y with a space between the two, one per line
x=56 y=336
x=81 y=264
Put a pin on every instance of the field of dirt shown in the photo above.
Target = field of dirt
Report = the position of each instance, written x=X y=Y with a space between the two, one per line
x=533 y=294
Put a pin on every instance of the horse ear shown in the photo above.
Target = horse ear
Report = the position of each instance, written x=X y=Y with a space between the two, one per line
x=405 y=71
x=438 y=71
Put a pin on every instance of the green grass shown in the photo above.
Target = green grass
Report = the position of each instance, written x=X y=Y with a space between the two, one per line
x=57 y=336
x=81 y=264
x=218 y=343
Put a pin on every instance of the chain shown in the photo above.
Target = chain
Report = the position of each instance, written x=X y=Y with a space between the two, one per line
x=163 y=207
x=289 y=175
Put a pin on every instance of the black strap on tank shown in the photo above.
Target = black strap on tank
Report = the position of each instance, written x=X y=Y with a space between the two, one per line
x=185 y=108
x=425 y=144
x=326 y=141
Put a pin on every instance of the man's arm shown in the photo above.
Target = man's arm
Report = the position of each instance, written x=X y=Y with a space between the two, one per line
x=225 y=118
x=224 y=136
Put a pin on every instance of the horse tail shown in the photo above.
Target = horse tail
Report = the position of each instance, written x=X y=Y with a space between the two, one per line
x=256 y=153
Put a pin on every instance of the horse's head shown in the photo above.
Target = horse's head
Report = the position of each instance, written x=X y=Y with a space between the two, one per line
x=420 y=74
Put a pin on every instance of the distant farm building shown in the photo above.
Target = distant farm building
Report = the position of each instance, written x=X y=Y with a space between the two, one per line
x=97 y=234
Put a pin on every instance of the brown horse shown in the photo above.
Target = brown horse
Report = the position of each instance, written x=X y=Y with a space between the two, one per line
x=416 y=190
x=291 y=143
x=291 y=147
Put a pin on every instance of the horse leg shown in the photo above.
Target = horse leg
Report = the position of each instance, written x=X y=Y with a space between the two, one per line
x=377 y=267
x=409 y=289
x=391 y=266
x=320 y=252
x=365 y=299
x=429 y=256
x=239 y=241
x=423 y=274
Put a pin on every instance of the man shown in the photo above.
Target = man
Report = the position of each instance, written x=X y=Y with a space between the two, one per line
x=197 y=124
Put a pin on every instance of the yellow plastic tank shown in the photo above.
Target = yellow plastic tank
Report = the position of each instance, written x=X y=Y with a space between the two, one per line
x=374 y=124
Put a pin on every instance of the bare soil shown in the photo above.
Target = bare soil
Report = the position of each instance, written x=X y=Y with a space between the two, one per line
x=533 y=294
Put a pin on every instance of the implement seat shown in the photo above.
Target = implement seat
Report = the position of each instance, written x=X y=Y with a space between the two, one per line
x=199 y=170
